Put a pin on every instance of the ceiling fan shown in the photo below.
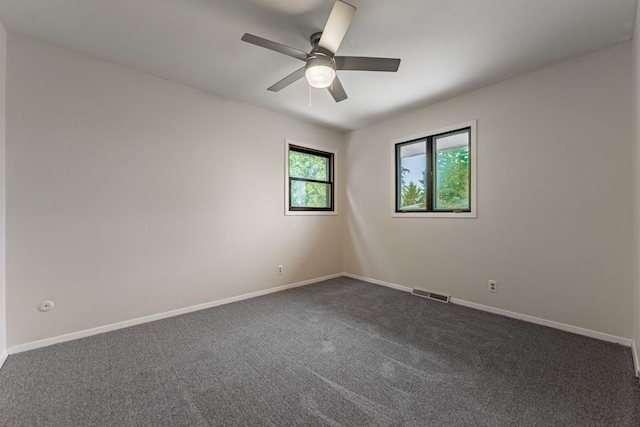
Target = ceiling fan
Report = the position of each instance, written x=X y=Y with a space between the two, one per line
x=321 y=62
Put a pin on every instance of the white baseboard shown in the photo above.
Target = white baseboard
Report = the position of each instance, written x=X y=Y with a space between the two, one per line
x=556 y=325
x=3 y=357
x=379 y=282
x=636 y=361
x=550 y=323
x=120 y=325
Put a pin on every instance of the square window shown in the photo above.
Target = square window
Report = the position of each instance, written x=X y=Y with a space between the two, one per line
x=435 y=174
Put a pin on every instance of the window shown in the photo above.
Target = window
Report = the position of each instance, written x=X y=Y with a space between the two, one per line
x=310 y=174
x=435 y=173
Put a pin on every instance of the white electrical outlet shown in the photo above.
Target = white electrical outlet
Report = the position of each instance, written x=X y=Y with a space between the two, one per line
x=280 y=269
x=493 y=286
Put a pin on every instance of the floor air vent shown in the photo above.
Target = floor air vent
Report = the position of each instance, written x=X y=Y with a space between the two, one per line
x=431 y=295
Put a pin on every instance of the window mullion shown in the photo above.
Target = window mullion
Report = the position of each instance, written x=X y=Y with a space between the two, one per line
x=429 y=181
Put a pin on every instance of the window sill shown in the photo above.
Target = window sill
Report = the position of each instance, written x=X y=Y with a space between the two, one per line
x=434 y=215
x=311 y=213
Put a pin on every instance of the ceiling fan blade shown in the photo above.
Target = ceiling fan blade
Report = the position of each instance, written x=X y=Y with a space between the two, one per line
x=337 y=91
x=268 y=44
x=336 y=26
x=363 y=63
x=295 y=76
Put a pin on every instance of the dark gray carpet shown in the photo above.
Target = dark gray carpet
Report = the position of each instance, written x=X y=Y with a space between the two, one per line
x=337 y=353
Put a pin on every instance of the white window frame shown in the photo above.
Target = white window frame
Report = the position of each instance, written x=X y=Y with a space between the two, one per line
x=334 y=153
x=473 y=213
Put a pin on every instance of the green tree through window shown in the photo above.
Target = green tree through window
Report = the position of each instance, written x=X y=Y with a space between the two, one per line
x=412 y=195
x=452 y=184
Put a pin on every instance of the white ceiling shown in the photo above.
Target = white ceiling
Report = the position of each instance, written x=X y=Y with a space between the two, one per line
x=447 y=47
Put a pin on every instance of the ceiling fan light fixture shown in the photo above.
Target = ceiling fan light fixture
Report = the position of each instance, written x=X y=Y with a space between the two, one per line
x=320 y=64
x=320 y=70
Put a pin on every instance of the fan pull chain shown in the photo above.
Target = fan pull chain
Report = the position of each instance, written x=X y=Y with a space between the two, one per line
x=309 y=95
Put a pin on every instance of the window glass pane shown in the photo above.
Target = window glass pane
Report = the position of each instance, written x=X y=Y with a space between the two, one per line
x=308 y=166
x=452 y=172
x=306 y=194
x=412 y=173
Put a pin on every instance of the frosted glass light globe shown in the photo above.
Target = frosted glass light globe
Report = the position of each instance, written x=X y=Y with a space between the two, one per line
x=320 y=70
